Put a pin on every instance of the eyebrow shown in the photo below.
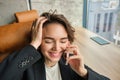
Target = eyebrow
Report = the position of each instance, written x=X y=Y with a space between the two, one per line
x=53 y=38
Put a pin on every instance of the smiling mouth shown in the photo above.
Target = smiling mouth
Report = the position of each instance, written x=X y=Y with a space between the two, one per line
x=55 y=55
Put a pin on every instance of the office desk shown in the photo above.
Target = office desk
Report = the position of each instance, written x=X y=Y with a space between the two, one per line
x=104 y=59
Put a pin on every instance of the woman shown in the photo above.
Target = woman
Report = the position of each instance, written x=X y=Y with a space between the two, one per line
x=50 y=55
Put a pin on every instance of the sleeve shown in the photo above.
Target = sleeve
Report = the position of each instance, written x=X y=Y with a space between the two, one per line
x=15 y=64
x=92 y=75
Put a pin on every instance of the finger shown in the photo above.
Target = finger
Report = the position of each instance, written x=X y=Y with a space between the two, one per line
x=74 y=49
x=35 y=27
x=71 y=50
x=42 y=21
x=72 y=46
x=40 y=25
x=33 y=24
x=74 y=57
x=39 y=19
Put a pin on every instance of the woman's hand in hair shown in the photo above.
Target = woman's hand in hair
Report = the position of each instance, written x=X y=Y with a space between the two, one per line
x=36 y=36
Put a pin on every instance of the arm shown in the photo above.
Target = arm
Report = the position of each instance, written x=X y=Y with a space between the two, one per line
x=14 y=65
x=12 y=68
x=76 y=62
x=92 y=75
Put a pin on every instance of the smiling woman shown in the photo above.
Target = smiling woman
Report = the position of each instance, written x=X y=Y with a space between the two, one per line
x=55 y=40
x=43 y=57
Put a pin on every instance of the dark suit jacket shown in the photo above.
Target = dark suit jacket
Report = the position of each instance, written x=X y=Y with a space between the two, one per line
x=28 y=64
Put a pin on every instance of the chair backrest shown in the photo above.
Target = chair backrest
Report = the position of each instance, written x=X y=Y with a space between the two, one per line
x=13 y=37
x=16 y=36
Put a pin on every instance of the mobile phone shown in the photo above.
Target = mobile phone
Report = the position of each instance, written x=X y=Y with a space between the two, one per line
x=66 y=55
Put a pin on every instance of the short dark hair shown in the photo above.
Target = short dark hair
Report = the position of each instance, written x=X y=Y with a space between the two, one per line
x=59 y=18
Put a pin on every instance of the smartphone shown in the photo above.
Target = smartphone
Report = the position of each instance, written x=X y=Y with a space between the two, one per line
x=66 y=55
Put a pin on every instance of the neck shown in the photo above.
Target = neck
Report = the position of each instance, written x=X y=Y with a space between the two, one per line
x=49 y=63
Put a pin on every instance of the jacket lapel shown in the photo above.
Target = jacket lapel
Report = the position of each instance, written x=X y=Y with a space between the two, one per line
x=40 y=70
x=41 y=75
x=65 y=71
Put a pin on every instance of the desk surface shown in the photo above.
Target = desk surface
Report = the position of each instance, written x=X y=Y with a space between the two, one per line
x=104 y=59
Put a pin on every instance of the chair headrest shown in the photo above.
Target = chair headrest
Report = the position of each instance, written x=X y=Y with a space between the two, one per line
x=26 y=16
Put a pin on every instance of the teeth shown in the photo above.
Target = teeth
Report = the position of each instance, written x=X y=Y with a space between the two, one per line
x=55 y=54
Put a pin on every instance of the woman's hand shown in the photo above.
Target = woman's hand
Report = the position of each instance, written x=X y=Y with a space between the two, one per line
x=75 y=60
x=37 y=32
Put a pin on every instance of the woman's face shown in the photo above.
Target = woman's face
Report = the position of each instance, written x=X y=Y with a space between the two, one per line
x=54 y=42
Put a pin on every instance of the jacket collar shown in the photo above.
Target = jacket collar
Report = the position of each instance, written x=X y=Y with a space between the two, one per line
x=40 y=70
x=65 y=70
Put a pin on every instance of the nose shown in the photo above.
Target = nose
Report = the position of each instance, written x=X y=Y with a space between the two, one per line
x=56 y=46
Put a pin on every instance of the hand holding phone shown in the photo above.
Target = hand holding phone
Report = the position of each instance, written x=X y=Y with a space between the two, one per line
x=75 y=60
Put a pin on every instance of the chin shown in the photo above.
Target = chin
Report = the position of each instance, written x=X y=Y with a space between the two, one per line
x=55 y=60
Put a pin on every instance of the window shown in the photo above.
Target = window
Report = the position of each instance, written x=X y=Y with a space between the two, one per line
x=105 y=22
x=98 y=23
x=110 y=21
x=102 y=17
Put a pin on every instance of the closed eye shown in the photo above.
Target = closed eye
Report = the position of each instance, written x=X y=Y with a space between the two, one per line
x=48 y=41
x=64 y=40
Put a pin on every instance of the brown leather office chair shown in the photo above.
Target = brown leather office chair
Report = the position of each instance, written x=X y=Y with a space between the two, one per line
x=16 y=36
